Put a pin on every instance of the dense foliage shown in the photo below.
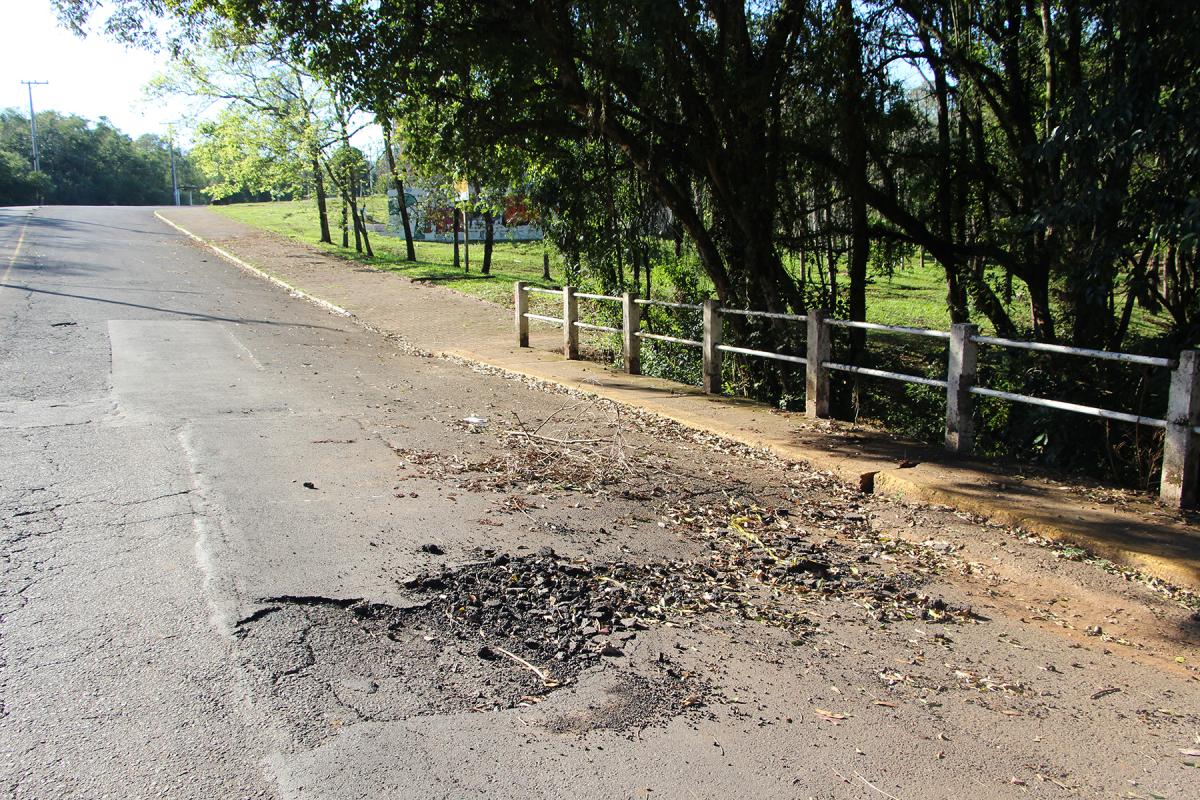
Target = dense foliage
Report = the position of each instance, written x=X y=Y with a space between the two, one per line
x=84 y=163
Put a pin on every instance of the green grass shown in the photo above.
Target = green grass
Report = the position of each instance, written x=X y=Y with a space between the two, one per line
x=511 y=261
x=916 y=296
x=913 y=295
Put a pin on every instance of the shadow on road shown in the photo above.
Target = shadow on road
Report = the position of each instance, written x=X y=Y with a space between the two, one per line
x=191 y=314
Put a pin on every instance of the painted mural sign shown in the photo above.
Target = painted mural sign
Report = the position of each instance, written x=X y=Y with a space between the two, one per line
x=436 y=224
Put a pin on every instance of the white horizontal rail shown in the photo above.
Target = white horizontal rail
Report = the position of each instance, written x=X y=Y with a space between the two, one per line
x=587 y=326
x=598 y=297
x=1104 y=413
x=661 y=338
x=745 y=312
x=875 y=326
x=540 y=290
x=880 y=373
x=761 y=354
x=668 y=305
x=1076 y=351
x=555 y=320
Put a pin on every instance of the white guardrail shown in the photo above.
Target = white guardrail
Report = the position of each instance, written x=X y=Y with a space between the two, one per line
x=1181 y=424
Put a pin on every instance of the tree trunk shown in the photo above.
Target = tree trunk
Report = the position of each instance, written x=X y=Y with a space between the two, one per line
x=489 y=240
x=1048 y=69
x=637 y=267
x=360 y=216
x=345 y=225
x=956 y=294
x=410 y=248
x=853 y=136
x=354 y=216
x=322 y=210
x=457 y=258
x=1039 y=305
x=832 y=261
x=545 y=266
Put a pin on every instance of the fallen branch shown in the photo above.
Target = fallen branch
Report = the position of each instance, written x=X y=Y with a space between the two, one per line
x=542 y=438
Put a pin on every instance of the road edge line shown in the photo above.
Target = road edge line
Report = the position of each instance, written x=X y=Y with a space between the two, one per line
x=230 y=257
x=16 y=253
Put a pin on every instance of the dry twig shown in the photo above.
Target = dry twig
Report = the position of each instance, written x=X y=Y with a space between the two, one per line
x=546 y=679
x=873 y=786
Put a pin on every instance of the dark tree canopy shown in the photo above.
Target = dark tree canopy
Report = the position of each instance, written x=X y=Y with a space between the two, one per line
x=84 y=163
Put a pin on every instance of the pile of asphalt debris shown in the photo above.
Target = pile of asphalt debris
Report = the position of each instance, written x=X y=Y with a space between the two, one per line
x=558 y=615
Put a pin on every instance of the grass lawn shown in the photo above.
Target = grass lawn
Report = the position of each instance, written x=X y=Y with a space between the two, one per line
x=511 y=261
x=914 y=295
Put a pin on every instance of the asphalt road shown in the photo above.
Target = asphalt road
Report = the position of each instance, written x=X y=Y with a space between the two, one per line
x=158 y=417
x=200 y=475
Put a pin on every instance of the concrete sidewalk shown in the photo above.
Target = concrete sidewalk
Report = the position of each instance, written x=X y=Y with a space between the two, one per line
x=1135 y=533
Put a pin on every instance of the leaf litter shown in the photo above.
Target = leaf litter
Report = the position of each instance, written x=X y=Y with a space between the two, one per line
x=764 y=560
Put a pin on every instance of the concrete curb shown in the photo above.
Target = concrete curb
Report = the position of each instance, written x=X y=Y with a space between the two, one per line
x=931 y=485
x=225 y=254
x=894 y=483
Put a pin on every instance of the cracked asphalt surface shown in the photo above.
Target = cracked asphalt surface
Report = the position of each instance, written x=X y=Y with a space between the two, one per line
x=214 y=499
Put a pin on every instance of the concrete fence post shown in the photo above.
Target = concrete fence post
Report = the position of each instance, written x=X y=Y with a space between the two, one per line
x=631 y=324
x=816 y=386
x=570 y=317
x=960 y=377
x=1177 y=487
x=522 y=305
x=712 y=340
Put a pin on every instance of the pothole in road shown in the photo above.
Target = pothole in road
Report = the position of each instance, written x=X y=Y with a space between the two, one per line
x=507 y=631
x=321 y=664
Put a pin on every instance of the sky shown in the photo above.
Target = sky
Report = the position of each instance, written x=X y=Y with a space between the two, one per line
x=91 y=77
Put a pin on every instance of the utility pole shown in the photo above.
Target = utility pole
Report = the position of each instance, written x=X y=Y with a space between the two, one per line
x=37 y=165
x=174 y=180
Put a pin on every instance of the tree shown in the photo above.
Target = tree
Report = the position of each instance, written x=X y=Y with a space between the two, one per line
x=19 y=184
x=82 y=163
x=272 y=93
x=247 y=156
x=347 y=168
x=389 y=146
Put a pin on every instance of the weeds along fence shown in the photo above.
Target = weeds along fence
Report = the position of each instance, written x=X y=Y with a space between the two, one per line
x=1181 y=423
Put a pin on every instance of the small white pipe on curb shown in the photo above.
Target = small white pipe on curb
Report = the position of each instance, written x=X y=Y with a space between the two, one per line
x=225 y=254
